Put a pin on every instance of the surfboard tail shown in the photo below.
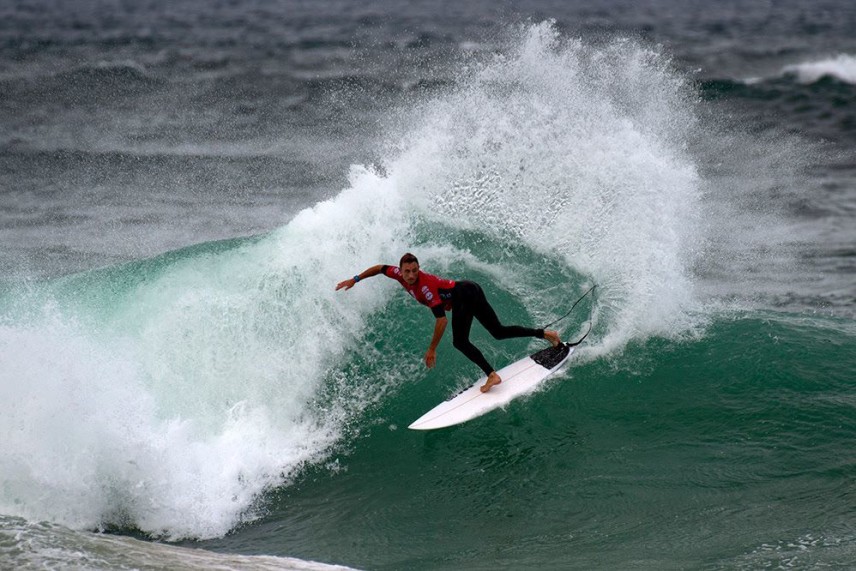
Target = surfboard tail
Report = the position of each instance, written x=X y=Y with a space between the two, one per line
x=550 y=357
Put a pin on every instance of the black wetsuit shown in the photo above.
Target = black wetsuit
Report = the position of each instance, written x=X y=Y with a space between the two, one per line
x=468 y=301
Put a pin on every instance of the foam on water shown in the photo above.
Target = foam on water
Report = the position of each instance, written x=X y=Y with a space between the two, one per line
x=173 y=406
x=841 y=67
x=26 y=546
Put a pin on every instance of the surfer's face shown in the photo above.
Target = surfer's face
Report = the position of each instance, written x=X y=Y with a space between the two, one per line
x=410 y=272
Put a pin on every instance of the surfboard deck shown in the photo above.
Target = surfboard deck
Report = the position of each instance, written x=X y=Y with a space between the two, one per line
x=518 y=378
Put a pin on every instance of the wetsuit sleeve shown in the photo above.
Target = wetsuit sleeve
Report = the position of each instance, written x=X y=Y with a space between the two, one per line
x=438 y=311
x=384 y=269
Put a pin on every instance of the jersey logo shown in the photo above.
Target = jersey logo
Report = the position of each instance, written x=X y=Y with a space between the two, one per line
x=427 y=293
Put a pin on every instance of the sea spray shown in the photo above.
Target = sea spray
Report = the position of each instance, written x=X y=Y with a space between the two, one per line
x=169 y=400
x=579 y=152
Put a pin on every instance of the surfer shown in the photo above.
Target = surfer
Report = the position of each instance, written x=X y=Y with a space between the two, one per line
x=465 y=299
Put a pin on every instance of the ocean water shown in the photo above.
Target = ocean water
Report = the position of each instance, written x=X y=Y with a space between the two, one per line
x=183 y=184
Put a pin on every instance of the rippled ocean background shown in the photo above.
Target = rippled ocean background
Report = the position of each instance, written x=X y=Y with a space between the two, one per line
x=182 y=185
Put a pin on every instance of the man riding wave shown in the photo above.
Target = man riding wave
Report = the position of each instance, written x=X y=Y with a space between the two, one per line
x=465 y=299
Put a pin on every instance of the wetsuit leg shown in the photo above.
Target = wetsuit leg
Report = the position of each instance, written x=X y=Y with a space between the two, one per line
x=469 y=301
x=462 y=321
x=488 y=318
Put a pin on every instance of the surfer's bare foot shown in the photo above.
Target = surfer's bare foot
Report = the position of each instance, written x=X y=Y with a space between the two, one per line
x=552 y=337
x=492 y=379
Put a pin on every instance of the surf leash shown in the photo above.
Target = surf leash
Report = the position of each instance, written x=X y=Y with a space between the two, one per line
x=591 y=289
x=580 y=340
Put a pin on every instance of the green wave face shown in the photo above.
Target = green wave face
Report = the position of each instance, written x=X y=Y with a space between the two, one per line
x=732 y=446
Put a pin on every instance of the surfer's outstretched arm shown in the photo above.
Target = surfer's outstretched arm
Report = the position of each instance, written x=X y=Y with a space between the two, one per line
x=349 y=283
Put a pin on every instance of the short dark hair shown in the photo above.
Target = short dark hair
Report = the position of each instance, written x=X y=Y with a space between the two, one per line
x=407 y=258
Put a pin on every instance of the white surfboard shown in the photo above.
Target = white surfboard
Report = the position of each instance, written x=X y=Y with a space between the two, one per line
x=518 y=379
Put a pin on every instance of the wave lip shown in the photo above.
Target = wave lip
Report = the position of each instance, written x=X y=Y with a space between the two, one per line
x=842 y=68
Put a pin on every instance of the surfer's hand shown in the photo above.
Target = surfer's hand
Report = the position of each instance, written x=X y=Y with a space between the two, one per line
x=347 y=284
x=430 y=358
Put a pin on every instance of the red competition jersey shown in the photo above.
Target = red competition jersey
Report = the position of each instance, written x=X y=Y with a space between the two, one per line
x=428 y=290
